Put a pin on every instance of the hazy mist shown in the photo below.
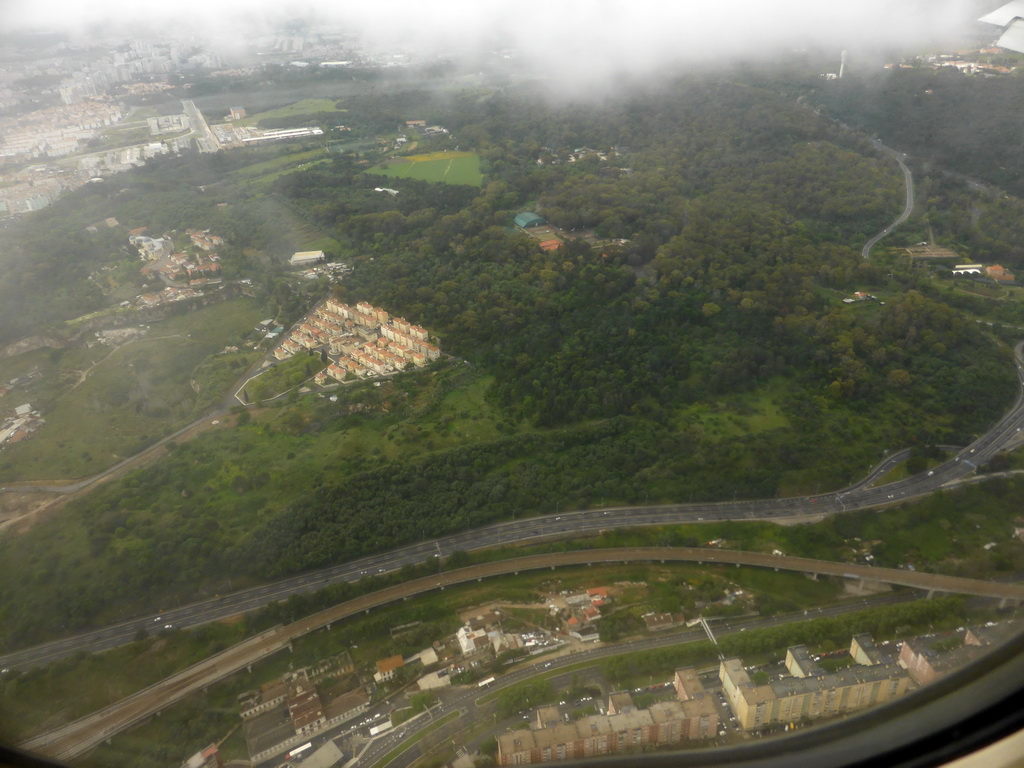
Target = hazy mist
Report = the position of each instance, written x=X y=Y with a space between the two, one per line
x=576 y=38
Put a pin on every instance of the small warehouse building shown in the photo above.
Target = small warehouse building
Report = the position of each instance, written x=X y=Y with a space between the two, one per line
x=302 y=258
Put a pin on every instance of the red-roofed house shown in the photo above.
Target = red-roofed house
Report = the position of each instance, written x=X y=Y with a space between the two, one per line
x=996 y=272
x=386 y=668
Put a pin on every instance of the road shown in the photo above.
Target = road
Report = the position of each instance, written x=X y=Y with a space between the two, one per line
x=468 y=701
x=908 y=179
x=82 y=735
x=1005 y=434
x=204 y=137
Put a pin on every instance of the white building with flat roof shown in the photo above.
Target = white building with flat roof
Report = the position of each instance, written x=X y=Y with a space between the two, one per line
x=301 y=258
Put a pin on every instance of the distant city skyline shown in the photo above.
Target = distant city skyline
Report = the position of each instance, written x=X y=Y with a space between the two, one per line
x=571 y=38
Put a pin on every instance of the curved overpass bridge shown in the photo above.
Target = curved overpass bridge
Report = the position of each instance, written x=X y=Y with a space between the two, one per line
x=82 y=735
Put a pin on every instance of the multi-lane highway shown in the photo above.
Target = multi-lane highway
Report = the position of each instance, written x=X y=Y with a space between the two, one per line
x=205 y=139
x=1005 y=434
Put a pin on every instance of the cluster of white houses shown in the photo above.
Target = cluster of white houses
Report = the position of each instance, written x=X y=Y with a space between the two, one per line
x=366 y=340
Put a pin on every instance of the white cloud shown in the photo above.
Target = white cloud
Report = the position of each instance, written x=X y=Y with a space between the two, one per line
x=592 y=37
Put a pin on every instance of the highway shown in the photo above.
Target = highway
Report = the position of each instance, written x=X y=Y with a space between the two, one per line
x=205 y=139
x=863 y=494
x=79 y=736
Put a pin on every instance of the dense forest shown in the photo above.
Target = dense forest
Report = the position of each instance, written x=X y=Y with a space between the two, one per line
x=962 y=123
x=700 y=350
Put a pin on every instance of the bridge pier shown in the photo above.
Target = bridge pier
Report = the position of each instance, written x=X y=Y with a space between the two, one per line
x=1008 y=601
x=931 y=592
x=248 y=668
x=812 y=576
x=291 y=648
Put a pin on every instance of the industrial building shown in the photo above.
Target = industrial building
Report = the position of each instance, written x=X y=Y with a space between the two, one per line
x=303 y=258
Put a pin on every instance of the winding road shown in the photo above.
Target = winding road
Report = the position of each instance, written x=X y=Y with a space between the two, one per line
x=908 y=179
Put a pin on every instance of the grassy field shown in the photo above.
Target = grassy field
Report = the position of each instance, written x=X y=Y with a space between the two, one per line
x=284 y=376
x=446 y=167
x=135 y=394
x=746 y=414
x=328 y=244
x=275 y=166
x=302 y=108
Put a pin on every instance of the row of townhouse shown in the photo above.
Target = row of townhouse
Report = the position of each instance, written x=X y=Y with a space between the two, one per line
x=366 y=314
x=336 y=326
x=624 y=729
x=413 y=342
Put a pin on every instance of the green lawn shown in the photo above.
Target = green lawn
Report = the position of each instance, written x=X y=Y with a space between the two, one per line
x=758 y=411
x=275 y=166
x=328 y=244
x=446 y=167
x=302 y=108
x=284 y=376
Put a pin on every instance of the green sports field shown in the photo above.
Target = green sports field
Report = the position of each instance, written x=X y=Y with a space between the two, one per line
x=446 y=167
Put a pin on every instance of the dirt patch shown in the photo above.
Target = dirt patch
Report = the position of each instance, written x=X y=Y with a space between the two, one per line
x=19 y=511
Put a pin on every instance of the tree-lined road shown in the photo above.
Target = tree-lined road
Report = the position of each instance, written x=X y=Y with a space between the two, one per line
x=908 y=207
